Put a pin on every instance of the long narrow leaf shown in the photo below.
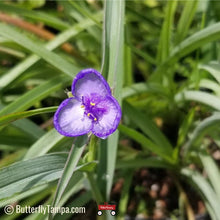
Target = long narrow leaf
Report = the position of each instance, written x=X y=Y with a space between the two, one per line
x=24 y=175
x=52 y=58
x=112 y=68
x=148 y=127
x=46 y=143
x=71 y=163
x=138 y=163
x=186 y=19
x=18 y=115
x=146 y=143
x=199 y=96
x=204 y=188
x=200 y=38
x=165 y=36
x=212 y=171
x=213 y=69
x=203 y=128
x=39 y=16
x=34 y=95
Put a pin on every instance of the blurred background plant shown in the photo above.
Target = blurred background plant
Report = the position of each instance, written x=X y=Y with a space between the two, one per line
x=161 y=59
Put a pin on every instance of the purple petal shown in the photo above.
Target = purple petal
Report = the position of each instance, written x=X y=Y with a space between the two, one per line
x=109 y=121
x=70 y=120
x=90 y=81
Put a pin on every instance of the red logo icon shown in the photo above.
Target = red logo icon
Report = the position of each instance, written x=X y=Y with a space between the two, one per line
x=107 y=206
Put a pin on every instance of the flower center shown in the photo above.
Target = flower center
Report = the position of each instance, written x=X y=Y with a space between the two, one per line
x=92 y=108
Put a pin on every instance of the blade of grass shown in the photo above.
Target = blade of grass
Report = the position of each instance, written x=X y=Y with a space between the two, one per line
x=27 y=127
x=112 y=69
x=37 y=171
x=18 y=115
x=36 y=15
x=203 y=128
x=128 y=79
x=148 y=127
x=12 y=52
x=125 y=193
x=52 y=58
x=213 y=68
x=6 y=79
x=186 y=19
x=212 y=171
x=36 y=94
x=165 y=36
x=139 y=88
x=210 y=84
x=85 y=12
x=137 y=163
x=200 y=38
x=147 y=145
x=199 y=96
x=25 y=194
x=71 y=163
x=204 y=188
x=45 y=143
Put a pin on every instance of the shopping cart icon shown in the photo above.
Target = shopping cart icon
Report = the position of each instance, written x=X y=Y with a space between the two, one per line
x=106 y=206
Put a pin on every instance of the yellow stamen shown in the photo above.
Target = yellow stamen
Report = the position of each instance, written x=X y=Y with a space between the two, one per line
x=82 y=106
x=95 y=119
x=92 y=103
x=88 y=114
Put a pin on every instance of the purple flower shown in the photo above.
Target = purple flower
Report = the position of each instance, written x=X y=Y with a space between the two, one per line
x=92 y=107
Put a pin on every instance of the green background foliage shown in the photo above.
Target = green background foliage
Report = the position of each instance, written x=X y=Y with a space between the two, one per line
x=161 y=60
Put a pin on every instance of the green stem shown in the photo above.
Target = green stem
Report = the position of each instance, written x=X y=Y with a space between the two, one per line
x=93 y=183
x=95 y=190
x=92 y=148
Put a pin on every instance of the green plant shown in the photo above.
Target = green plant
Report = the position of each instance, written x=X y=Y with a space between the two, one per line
x=168 y=87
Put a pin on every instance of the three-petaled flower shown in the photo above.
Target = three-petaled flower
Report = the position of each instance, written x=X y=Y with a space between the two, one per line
x=91 y=109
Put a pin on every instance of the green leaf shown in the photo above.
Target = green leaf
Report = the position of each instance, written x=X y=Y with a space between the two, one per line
x=34 y=95
x=203 y=128
x=52 y=58
x=210 y=84
x=46 y=143
x=200 y=38
x=204 y=188
x=71 y=163
x=36 y=15
x=212 y=171
x=30 y=176
x=112 y=69
x=12 y=52
x=25 y=194
x=27 y=127
x=148 y=127
x=139 y=88
x=184 y=129
x=136 y=163
x=199 y=96
x=9 y=77
x=18 y=115
x=213 y=68
x=23 y=175
x=147 y=144
x=186 y=18
x=165 y=36
x=125 y=194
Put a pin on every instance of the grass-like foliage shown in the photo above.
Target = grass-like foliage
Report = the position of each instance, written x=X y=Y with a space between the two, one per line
x=161 y=60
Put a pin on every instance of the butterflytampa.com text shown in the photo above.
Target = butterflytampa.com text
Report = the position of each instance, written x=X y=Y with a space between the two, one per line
x=43 y=209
